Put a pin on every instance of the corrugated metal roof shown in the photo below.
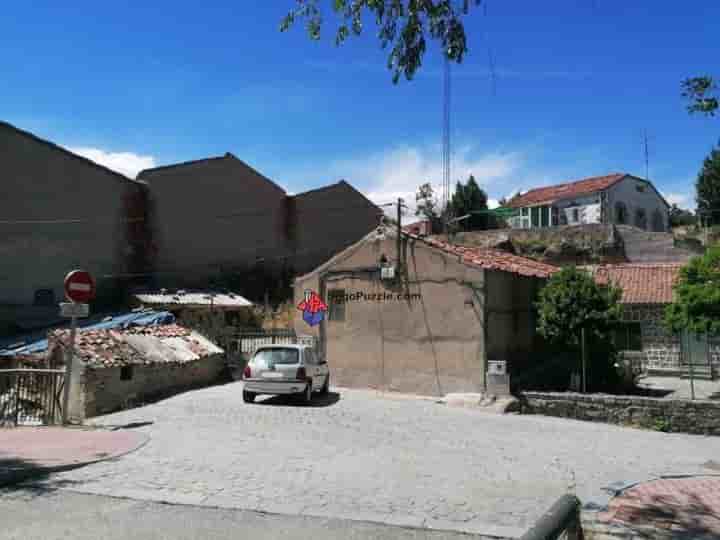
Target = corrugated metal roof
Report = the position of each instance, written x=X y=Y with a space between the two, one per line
x=190 y=298
x=138 y=318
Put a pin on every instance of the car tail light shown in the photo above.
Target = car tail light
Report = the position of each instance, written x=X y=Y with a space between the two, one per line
x=301 y=375
x=247 y=373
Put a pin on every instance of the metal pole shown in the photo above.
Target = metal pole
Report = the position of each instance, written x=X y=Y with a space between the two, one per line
x=584 y=385
x=399 y=232
x=690 y=370
x=68 y=369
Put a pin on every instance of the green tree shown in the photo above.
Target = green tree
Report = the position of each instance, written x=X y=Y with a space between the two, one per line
x=470 y=198
x=707 y=188
x=570 y=302
x=696 y=307
x=700 y=93
x=680 y=216
x=405 y=25
x=427 y=203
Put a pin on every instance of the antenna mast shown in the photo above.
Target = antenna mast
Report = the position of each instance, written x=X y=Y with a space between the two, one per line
x=446 y=144
x=647 y=155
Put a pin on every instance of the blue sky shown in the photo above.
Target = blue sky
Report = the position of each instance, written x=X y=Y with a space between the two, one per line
x=576 y=84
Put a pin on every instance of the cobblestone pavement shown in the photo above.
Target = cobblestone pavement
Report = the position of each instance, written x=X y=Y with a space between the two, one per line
x=360 y=456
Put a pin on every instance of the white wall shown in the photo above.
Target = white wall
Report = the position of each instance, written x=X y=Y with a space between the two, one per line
x=625 y=191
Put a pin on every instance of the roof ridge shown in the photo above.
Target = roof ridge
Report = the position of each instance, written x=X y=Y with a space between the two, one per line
x=184 y=163
x=321 y=188
x=64 y=150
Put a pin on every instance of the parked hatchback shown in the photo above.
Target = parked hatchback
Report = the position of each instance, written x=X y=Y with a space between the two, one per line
x=285 y=369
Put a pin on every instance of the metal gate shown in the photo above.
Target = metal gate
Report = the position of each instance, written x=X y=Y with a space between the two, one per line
x=695 y=356
x=31 y=397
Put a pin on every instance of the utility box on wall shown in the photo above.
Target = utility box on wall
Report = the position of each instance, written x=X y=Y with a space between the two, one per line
x=498 y=381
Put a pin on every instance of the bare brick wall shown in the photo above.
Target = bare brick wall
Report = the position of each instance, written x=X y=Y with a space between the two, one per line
x=103 y=391
x=701 y=417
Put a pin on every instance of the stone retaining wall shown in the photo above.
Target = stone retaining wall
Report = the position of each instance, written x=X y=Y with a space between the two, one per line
x=701 y=417
x=104 y=390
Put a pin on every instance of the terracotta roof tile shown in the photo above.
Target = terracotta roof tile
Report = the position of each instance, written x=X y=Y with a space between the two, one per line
x=576 y=188
x=641 y=283
x=493 y=259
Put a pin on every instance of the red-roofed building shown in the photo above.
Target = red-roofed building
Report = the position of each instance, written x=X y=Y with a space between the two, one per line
x=432 y=323
x=642 y=338
x=617 y=198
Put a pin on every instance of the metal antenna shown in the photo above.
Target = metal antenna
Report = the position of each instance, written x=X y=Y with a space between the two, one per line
x=446 y=142
x=647 y=155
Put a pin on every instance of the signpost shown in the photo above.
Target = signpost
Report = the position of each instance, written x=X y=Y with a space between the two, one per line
x=79 y=289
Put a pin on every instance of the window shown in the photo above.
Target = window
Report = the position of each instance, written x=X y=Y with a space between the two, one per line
x=658 y=223
x=640 y=188
x=628 y=337
x=276 y=355
x=640 y=218
x=535 y=214
x=620 y=213
x=44 y=297
x=545 y=216
x=525 y=212
x=575 y=215
x=126 y=373
x=336 y=305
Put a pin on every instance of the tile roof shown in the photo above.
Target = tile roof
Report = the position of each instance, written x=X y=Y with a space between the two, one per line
x=494 y=259
x=164 y=344
x=576 y=188
x=201 y=299
x=650 y=283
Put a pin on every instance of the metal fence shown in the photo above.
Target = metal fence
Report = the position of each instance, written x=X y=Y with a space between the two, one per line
x=31 y=396
x=561 y=522
x=240 y=345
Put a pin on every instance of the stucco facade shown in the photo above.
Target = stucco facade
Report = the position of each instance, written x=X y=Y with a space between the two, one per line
x=430 y=332
x=619 y=199
x=60 y=212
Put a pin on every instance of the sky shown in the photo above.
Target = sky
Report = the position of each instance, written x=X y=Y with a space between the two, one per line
x=549 y=92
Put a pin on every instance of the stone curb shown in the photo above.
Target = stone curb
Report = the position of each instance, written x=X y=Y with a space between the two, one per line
x=15 y=477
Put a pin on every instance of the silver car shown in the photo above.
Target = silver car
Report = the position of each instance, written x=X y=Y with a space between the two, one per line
x=285 y=369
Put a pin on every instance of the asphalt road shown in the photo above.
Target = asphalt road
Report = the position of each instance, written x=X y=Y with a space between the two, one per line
x=59 y=515
x=359 y=456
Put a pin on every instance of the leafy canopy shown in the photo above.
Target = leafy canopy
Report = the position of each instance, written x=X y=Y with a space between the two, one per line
x=427 y=203
x=696 y=307
x=572 y=300
x=401 y=24
x=708 y=188
x=699 y=92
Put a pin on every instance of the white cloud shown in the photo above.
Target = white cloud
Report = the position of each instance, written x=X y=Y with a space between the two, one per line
x=398 y=172
x=127 y=163
x=683 y=200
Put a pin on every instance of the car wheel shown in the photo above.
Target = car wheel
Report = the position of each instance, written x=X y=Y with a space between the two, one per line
x=326 y=386
x=307 y=394
x=248 y=397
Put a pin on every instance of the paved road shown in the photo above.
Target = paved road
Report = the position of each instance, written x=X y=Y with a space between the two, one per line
x=403 y=462
x=28 y=515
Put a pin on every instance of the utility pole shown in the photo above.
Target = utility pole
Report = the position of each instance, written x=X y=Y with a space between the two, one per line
x=399 y=232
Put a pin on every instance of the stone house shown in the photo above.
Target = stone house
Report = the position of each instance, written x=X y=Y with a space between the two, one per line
x=642 y=338
x=117 y=368
x=220 y=215
x=425 y=319
x=60 y=211
x=618 y=199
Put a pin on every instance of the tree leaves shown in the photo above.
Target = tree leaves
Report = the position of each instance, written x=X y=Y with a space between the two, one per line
x=403 y=24
x=699 y=90
x=697 y=296
x=708 y=188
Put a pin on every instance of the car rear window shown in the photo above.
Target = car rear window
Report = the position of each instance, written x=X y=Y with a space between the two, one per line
x=276 y=356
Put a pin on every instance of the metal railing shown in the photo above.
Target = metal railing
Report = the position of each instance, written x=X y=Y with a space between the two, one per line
x=561 y=522
x=31 y=396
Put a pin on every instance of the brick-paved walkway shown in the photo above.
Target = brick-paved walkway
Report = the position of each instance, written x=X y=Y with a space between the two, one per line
x=682 y=505
x=36 y=449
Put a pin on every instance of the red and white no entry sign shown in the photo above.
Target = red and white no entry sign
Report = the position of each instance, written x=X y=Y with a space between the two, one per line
x=79 y=286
